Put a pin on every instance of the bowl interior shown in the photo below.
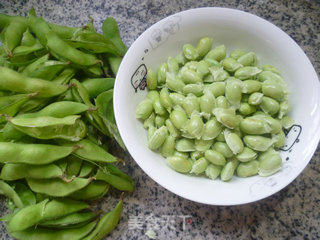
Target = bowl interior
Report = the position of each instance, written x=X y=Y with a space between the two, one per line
x=237 y=30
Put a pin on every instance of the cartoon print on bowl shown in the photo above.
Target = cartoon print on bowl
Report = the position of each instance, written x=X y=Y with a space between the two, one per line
x=267 y=183
x=170 y=27
x=292 y=137
x=138 y=79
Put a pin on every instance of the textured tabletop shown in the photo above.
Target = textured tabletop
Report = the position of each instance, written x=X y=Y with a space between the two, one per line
x=293 y=213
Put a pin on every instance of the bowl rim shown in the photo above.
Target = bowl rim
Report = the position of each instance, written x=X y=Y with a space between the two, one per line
x=169 y=187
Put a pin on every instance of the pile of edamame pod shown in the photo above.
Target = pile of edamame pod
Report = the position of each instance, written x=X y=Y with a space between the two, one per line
x=56 y=86
x=215 y=115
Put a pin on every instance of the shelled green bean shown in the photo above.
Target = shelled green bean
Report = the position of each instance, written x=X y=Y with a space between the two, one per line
x=213 y=114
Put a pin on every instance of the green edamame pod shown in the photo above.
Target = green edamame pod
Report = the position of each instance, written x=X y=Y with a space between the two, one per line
x=61 y=48
x=69 y=128
x=10 y=172
x=58 y=110
x=48 y=70
x=86 y=169
x=88 y=150
x=104 y=105
x=26 y=195
x=53 y=234
x=40 y=28
x=65 y=76
x=115 y=62
x=107 y=223
x=57 y=187
x=36 y=154
x=70 y=220
x=12 y=34
x=7 y=190
x=92 y=191
x=73 y=166
x=45 y=210
x=33 y=66
x=111 y=32
x=10 y=105
x=119 y=182
x=13 y=81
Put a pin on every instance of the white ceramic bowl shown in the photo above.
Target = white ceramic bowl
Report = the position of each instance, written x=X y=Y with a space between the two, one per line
x=237 y=30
